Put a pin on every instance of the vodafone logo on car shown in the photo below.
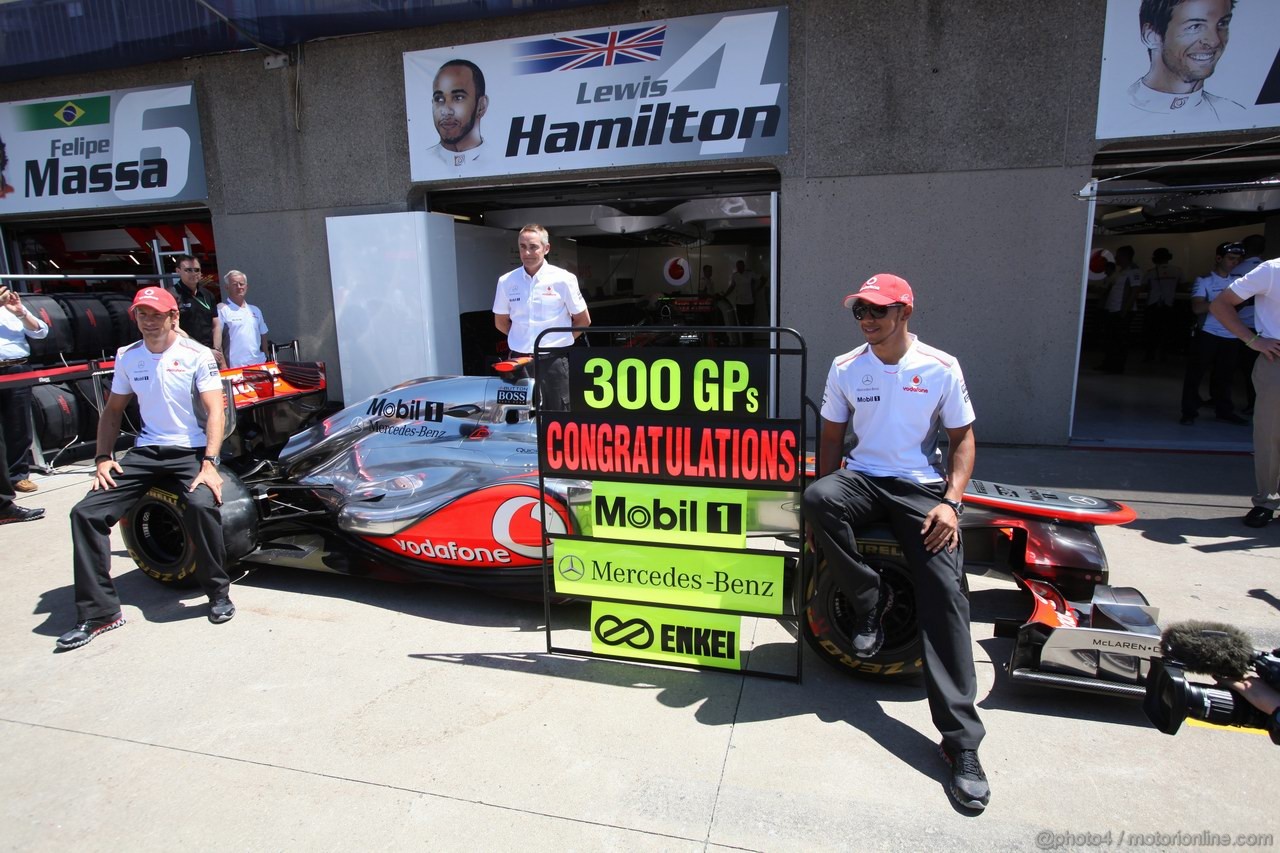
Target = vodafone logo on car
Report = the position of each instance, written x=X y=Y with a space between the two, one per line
x=499 y=526
x=517 y=526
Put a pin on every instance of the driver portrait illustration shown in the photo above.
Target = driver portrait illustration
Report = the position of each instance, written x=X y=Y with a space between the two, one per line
x=5 y=188
x=458 y=103
x=1184 y=39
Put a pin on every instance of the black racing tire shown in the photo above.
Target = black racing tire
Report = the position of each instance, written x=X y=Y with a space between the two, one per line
x=92 y=328
x=155 y=531
x=60 y=342
x=56 y=416
x=829 y=617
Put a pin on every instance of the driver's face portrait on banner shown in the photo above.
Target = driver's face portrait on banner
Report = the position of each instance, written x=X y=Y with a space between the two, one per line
x=458 y=102
x=1187 y=52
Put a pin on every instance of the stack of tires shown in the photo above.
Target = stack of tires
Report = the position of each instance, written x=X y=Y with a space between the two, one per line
x=82 y=327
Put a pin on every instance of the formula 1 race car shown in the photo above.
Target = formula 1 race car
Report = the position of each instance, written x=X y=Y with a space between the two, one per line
x=437 y=479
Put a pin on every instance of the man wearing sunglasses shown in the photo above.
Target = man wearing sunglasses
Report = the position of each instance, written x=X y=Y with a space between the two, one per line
x=898 y=392
x=197 y=308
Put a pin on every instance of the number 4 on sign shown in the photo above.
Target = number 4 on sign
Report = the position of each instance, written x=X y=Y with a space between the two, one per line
x=738 y=47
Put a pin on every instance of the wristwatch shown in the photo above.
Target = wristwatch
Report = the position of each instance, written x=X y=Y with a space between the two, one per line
x=216 y=460
x=956 y=505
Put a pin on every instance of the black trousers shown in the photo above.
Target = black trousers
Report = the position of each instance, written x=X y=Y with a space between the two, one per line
x=836 y=505
x=93 y=516
x=553 y=380
x=1216 y=356
x=15 y=424
x=7 y=492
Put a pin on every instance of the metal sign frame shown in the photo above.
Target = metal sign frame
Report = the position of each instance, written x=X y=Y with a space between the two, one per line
x=759 y=363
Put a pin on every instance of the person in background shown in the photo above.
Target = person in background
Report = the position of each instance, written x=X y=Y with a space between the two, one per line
x=1214 y=349
x=706 y=286
x=1161 y=286
x=197 y=310
x=1122 y=292
x=17 y=325
x=245 y=329
x=742 y=292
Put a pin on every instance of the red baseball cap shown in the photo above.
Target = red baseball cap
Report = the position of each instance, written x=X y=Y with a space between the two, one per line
x=154 y=297
x=882 y=289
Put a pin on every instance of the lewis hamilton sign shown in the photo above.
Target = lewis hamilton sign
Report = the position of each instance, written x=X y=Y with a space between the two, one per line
x=696 y=88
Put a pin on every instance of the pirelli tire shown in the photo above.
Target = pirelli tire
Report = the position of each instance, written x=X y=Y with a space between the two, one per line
x=829 y=619
x=155 y=531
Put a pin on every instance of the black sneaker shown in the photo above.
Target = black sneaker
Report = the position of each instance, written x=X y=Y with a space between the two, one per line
x=1259 y=516
x=968 y=786
x=221 y=610
x=14 y=513
x=87 y=630
x=870 y=636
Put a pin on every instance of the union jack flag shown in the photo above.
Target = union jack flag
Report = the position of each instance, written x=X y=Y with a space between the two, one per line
x=593 y=50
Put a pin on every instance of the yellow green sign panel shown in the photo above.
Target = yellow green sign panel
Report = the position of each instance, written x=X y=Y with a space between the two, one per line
x=666 y=636
x=720 y=580
x=684 y=515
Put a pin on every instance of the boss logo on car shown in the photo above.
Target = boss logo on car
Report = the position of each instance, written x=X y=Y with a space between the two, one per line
x=518 y=396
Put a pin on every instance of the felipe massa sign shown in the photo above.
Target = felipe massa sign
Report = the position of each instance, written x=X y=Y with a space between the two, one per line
x=109 y=149
x=702 y=87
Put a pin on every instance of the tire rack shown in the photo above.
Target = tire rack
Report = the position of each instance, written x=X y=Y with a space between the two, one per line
x=91 y=369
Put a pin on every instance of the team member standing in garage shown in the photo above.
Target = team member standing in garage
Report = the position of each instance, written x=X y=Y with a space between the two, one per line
x=245 y=327
x=898 y=392
x=197 y=310
x=537 y=296
x=173 y=378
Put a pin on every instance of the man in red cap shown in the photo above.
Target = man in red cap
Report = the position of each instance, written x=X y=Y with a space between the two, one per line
x=898 y=393
x=179 y=392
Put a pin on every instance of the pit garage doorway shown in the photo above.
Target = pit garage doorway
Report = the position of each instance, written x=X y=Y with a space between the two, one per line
x=639 y=248
x=1183 y=202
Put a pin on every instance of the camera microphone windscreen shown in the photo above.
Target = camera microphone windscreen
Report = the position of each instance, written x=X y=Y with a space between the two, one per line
x=1211 y=648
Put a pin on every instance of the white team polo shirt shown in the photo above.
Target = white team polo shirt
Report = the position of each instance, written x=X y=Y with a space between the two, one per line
x=245 y=328
x=897 y=409
x=1207 y=288
x=545 y=300
x=1263 y=283
x=167 y=385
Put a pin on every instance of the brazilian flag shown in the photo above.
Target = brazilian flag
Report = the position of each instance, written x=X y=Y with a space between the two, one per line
x=59 y=115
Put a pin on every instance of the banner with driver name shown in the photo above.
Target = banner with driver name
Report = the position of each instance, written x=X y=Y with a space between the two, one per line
x=704 y=87
x=101 y=150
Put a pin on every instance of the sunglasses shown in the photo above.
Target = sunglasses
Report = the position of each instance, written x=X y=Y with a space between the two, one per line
x=877 y=312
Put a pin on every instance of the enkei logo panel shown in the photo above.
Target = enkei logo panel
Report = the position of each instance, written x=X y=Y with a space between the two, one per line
x=666 y=636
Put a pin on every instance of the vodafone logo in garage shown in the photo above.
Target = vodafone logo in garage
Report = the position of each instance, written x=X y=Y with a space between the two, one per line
x=495 y=527
x=676 y=272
